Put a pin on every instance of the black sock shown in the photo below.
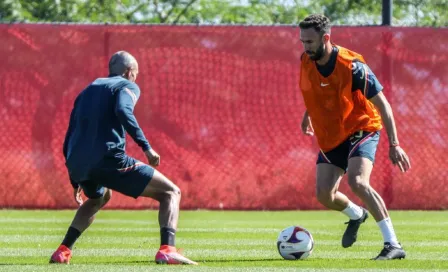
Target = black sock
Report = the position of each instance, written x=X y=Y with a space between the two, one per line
x=71 y=237
x=167 y=236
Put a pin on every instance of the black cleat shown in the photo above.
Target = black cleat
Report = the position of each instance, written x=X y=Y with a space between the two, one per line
x=391 y=252
x=351 y=233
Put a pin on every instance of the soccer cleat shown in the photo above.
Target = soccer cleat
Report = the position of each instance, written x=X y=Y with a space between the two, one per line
x=390 y=252
x=351 y=233
x=169 y=255
x=62 y=255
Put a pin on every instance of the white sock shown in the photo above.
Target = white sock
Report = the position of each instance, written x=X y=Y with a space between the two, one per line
x=353 y=211
x=388 y=232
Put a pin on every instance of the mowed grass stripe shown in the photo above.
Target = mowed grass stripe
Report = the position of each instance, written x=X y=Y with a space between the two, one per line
x=151 y=221
x=50 y=240
x=206 y=253
x=142 y=268
x=366 y=233
x=274 y=264
x=373 y=250
x=327 y=229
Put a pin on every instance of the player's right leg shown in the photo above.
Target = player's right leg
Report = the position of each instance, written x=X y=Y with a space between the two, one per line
x=328 y=177
x=331 y=168
x=98 y=197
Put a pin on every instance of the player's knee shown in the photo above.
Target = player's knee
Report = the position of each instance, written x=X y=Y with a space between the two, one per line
x=100 y=202
x=107 y=196
x=358 y=183
x=175 y=192
x=171 y=194
x=324 y=195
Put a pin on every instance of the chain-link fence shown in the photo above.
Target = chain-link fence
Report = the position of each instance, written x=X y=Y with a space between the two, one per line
x=222 y=106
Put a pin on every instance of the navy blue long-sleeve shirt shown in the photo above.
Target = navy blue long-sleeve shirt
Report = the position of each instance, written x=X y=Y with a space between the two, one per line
x=101 y=116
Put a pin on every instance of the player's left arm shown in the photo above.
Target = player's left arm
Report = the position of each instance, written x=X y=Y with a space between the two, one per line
x=126 y=99
x=366 y=81
x=396 y=153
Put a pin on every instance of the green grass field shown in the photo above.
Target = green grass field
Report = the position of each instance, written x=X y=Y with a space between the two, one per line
x=219 y=240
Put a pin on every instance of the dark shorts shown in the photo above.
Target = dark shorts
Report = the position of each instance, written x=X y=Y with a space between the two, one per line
x=125 y=175
x=361 y=144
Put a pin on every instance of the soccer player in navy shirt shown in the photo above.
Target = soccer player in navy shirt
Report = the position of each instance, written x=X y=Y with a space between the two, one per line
x=94 y=151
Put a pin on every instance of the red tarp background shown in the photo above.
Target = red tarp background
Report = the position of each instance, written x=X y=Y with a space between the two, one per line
x=222 y=106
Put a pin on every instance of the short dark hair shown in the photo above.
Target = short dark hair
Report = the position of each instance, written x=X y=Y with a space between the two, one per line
x=319 y=22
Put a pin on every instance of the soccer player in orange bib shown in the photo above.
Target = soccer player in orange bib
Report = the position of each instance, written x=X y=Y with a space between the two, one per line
x=345 y=108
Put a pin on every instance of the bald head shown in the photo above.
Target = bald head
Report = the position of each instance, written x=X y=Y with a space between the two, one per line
x=124 y=64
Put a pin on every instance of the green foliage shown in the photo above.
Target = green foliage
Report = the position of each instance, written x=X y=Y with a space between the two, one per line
x=346 y=12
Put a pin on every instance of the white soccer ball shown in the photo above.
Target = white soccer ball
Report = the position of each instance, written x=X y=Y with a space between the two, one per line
x=295 y=243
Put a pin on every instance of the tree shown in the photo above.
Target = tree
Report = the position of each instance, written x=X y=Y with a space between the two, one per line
x=422 y=12
x=348 y=12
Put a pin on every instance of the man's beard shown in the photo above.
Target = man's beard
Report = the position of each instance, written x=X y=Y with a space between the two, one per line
x=319 y=53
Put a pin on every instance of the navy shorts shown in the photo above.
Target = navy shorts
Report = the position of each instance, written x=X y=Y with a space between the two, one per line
x=125 y=175
x=361 y=144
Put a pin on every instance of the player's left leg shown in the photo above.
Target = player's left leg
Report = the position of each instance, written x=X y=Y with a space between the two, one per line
x=360 y=167
x=168 y=195
x=133 y=178
x=98 y=197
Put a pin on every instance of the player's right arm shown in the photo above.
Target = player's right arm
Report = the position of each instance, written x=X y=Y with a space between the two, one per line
x=306 y=126
x=127 y=98
x=71 y=127
x=68 y=133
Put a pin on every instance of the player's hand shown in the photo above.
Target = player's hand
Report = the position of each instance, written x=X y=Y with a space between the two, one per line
x=306 y=126
x=400 y=158
x=153 y=157
x=77 y=195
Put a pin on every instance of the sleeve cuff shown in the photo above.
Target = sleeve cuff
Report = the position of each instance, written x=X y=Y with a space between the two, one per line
x=146 y=147
x=74 y=184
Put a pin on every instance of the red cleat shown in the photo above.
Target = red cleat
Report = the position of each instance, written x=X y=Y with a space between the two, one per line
x=62 y=255
x=169 y=255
